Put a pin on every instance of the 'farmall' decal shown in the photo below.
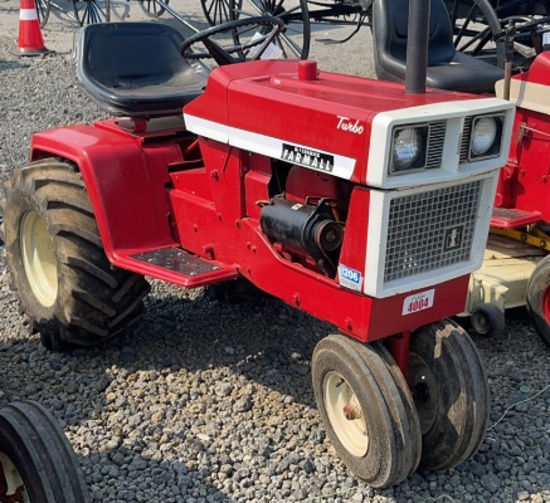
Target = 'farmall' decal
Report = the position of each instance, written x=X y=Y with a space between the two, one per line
x=346 y=124
x=308 y=158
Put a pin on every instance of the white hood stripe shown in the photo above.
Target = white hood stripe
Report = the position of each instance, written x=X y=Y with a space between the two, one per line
x=269 y=146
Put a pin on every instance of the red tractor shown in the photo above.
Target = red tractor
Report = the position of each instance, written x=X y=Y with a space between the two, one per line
x=344 y=197
x=516 y=269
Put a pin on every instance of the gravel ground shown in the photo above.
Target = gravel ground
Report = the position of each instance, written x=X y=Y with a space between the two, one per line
x=210 y=401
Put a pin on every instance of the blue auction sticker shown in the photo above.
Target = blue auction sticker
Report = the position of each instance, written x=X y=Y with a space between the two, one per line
x=350 y=278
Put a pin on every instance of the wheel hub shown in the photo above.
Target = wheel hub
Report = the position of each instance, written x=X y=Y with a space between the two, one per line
x=345 y=414
x=423 y=387
x=480 y=323
x=38 y=258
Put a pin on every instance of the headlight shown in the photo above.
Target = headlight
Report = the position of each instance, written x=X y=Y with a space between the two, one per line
x=408 y=149
x=485 y=137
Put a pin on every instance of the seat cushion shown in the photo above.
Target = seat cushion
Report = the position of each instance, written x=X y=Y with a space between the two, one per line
x=465 y=74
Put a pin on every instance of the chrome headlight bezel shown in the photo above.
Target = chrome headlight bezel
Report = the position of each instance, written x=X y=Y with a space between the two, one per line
x=494 y=150
x=419 y=161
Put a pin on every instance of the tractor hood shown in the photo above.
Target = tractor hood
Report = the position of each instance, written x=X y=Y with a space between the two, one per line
x=289 y=110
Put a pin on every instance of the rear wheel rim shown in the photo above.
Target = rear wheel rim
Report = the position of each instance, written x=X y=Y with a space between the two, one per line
x=38 y=257
x=345 y=414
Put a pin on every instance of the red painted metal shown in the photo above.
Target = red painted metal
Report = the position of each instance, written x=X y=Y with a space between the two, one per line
x=525 y=182
x=539 y=71
x=267 y=97
x=399 y=348
x=546 y=305
x=125 y=181
x=505 y=218
x=155 y=190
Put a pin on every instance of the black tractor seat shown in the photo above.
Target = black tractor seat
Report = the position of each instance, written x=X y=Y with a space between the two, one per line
x=136 y=69
x=447 y=68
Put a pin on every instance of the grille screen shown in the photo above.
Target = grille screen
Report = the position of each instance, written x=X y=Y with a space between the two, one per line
x=431 y=230
x=436 y=139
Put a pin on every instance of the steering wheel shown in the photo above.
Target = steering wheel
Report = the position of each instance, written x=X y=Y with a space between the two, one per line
x=268 y=28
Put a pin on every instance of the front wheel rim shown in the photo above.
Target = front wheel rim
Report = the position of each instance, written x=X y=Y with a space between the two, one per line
x=345 y=414
x=38 y=257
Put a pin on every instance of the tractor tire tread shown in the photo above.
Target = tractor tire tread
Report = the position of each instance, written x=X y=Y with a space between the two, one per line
x=377 y=466
x=408 y=437
x=42 y=454
x=464 y=396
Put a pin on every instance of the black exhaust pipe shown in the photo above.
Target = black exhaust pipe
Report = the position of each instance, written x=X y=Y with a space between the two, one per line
x=417 y=46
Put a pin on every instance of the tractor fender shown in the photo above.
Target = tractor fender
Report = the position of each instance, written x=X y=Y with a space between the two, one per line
x=125 y=182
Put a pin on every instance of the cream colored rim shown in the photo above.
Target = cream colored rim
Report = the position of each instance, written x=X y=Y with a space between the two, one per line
x=14 y=482
x=38 y=258
x=345 y=414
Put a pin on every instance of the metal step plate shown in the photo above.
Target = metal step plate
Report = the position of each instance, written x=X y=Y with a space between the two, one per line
x=177 y=260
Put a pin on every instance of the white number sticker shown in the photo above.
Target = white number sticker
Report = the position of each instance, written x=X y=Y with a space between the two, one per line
x=418 y=302
x=350 y=278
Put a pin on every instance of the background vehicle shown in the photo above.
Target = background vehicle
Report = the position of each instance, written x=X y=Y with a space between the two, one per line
x=325 y=190
x=475 y=23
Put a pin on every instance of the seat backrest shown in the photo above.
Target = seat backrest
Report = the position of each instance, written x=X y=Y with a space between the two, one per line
x=447 y=67
x=117 y=54
x=137 y=68
x=390 y=27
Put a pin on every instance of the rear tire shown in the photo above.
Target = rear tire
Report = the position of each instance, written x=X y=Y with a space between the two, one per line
x=36 y=458
x=65 y=283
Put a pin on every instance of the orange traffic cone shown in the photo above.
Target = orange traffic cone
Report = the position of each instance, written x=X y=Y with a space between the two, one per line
x=31 y=42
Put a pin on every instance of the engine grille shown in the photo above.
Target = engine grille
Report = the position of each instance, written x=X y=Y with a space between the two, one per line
x=436 y=140
x=431 y=230
x=465 y=142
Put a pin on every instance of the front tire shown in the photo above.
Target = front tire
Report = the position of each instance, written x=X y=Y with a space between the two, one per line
x=363 y=411
x=36 y=460
x=451 y=394
x=64 y=281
